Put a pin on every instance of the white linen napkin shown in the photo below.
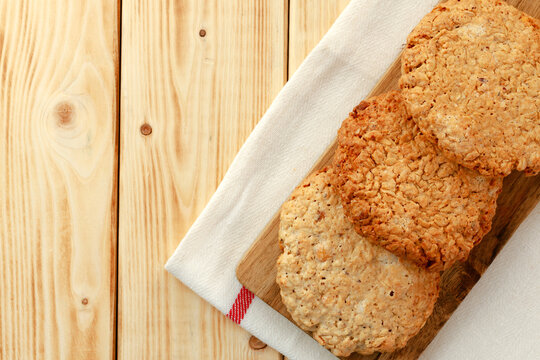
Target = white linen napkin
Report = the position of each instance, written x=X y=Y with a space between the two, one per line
x=292 y=135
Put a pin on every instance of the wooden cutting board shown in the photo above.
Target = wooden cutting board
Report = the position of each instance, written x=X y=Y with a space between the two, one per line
x=257 y=270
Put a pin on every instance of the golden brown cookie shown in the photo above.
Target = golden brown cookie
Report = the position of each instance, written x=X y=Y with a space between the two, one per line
x=471 y=81
x=353 y=295
x=402 y=193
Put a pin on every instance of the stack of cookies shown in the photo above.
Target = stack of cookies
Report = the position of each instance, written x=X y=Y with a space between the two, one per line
x=414 y=182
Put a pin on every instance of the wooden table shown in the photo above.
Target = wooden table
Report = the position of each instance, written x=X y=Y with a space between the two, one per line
x=118 y=120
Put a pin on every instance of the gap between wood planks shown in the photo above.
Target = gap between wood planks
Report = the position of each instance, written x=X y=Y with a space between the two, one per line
x=118 y=127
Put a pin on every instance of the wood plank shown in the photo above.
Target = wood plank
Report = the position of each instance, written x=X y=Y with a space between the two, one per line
x=200 y=94
x=58 y=116
x=257 y=271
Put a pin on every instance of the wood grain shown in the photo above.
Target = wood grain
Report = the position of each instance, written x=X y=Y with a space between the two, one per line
x=201 y=92
x=520 y=194
x=58 y=115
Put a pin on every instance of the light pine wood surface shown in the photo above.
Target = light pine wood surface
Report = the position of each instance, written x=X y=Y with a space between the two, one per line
x=200 y=74
x=58 y=156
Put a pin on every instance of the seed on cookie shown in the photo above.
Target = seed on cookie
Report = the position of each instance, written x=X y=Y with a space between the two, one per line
x=352 y=295
x=471 y=81
x=402 y=193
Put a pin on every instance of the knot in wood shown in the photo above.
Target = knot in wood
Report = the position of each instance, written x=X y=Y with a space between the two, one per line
x=64 y=113
x=256 y=344
x=146 y=129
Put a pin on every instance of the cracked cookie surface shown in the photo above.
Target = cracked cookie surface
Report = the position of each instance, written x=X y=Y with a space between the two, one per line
x=471 y=81
x=402 y=193
x=353 y=296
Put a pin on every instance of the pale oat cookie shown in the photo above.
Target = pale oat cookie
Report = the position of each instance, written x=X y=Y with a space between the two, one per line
x=471 y=80
x=402 y=193
x=353 y=295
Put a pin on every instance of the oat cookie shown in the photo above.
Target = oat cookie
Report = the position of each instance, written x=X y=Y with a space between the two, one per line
x=402 y=193
x=353 y=295
x=471 y=81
